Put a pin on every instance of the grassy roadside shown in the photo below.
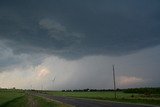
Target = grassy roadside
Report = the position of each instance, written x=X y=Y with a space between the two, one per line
x=13 y=99
x=17 y=102
x=109 y=96
x=9 y=96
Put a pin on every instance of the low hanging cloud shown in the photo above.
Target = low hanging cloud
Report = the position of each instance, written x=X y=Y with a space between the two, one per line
x=9 y=60
x=42 y=72
x=129 y=81
x=87 y=72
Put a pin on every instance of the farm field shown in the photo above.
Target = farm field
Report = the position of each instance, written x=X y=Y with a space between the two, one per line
x=93 y=95
x=8 y=96
x=21 y=99
x=121 y=97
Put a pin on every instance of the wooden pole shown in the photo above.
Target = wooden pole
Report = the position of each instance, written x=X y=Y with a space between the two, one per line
x=114 y=83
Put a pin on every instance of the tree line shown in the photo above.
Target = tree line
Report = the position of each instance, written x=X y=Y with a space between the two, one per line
x=143 y=90
x=90 y=90
x=146 y=90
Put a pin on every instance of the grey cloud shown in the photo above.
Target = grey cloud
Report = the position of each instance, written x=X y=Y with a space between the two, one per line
x=73 y=29
x=42 y=34
x=58 y=31
x=136 y=70
x=55 y=29
x=140 y=69
x=9 y=60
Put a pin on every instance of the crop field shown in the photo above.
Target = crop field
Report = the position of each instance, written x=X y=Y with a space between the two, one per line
x=14 y=98
x=121 y=97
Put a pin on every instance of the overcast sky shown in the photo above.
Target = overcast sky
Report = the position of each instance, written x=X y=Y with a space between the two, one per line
x=77 y=42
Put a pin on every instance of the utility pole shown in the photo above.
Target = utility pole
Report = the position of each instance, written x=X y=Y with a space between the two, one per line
x=114 y=82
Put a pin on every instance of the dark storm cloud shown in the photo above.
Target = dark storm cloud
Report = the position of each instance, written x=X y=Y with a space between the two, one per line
x=76 y=28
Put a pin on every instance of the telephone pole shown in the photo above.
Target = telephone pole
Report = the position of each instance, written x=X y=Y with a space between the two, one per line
x=114 y=82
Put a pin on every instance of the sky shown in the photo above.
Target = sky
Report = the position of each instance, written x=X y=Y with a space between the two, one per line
x=77 y=42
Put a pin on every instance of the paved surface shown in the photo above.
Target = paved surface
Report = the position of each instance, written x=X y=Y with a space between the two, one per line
x=89 y=103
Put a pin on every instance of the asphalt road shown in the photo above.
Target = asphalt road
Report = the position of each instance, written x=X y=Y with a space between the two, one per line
x=89 y=103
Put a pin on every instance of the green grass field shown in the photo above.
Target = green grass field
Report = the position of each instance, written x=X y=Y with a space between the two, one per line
x=121 y=97
x=8 y=96
x=33 y=101
x=14 y=98
x=93 y=95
